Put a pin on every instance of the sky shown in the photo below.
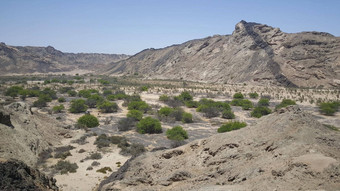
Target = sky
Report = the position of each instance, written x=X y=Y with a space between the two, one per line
x=130 y=26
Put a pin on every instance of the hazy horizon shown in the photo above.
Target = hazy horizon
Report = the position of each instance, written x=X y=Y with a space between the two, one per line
x=128 y=27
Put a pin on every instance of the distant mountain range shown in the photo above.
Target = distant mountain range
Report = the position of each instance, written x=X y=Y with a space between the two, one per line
x=254 y=53
x=28 y=59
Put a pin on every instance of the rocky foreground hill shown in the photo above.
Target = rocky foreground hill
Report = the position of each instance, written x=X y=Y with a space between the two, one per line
x=286 y=150
x=28 y=59
x=254 y=53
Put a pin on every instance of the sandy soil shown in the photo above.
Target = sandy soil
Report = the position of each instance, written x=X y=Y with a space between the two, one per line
x=75 y=181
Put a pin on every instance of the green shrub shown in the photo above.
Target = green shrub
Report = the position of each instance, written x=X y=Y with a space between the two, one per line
x=144 y=88
x=259 y=111
x=72 y=93
x=107 y=92
x=149 y=125
x=50 y=92
x=176 y=133
x=13 y=91
x=164 y=98
x=177 y=114
x=61 y=99
x=253 y=95
x=45 y=97
x=187 y=117
x=329 y=108
x=228 y=114
x=230 y=126
x=192 y=104
x=238 y=96
x=138 y=105
x=263 y=102
x=134 y=149
x=165 y=111
x=58 y=108
x=111 y=97
x=65 y=167
x=78 y=106
x=62 y=155
x=94 y=100
x=184 y=96
x=285 y=103
x=95 y=156
x=39 y=103
x=108 y=107
x=246 y=104
x=104 y=170
x=135 y=114
x=63 y=90
x=84 y=93
x=88 y=121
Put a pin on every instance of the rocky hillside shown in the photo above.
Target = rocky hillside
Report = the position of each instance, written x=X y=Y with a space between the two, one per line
x=254 y=53
x=16 y=175
x=23 y=60
x=27 y=136
x=286 y=150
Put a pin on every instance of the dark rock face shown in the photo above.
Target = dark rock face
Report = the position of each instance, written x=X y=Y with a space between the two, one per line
x=254 y=53
x=16 y=175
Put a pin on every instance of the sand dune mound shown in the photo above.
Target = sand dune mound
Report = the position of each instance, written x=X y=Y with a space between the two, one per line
x=287 y=150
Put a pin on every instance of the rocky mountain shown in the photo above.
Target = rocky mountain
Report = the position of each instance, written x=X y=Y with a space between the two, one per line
x=286 y=150
x=27 y=59
x=254 y=53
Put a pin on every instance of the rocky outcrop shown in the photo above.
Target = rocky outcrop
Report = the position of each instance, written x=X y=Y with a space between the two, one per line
x=16 y=175
x=254 y=53
x=286 y=150
x=28 y=59
x=25 y=135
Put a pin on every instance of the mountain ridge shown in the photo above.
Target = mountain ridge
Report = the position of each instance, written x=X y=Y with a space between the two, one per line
x=252 y=53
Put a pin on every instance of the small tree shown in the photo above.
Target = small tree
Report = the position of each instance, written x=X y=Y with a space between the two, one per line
x=177 y=133
x=88 y=121
x=135 y=115
x=329 y=108
x=149 y=125
x=78 y=106
x=108 y=107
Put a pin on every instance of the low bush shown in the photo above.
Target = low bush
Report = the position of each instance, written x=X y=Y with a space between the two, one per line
x=61 y=99
x=192 y=104
x=149 y=125
x=138 y=105
x=39 y=103
x=187 y=118
x=135 y=115
x=63 y=155
x=329 y=108
x=104 y=170
x=177 y=133
x=72 y=93
x=65 y=167
x=108 y=107
x=259 y=111
x=263 y=102
x=94 y=100
x=58 y=108
x=88 y=121
x=134 y=149
x=13 y=91
x=78 y=106
x=165 y=111
x=184 y=96
x=228 y=114
x=230 y=126
x=285 y=103
x=84 y=93
x=238 y=96
x=164 y=98
x=253 y=95
x=244 y=103
x=95 y=156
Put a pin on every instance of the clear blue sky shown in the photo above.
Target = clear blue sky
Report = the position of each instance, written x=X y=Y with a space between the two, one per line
x=129 y=26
